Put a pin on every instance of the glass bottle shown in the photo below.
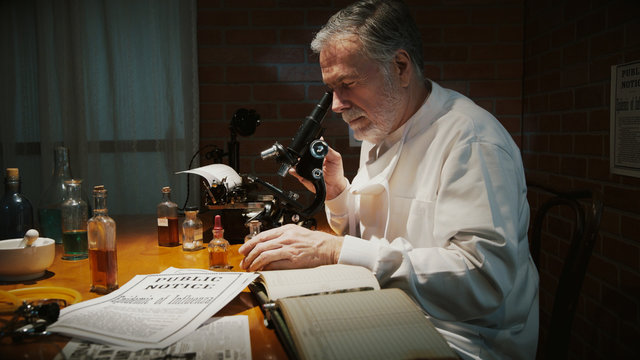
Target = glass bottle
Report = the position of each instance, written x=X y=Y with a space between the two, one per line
x=16 y=212
x=53 y=196
x=167 y=220
x=103 y=261
x=254 y=229
x=74 y=222
x=191 y=230
x=218 y=247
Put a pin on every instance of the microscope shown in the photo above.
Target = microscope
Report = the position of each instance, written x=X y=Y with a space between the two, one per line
x=305 y=154
x=238 y=199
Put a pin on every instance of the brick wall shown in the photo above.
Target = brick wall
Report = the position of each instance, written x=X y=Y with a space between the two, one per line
x=569 y=49
x=255 y=54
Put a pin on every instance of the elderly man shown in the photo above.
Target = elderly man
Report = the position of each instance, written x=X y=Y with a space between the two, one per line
x=438 y=207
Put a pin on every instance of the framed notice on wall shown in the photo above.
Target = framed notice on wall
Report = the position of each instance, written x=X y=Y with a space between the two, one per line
x=624 y=149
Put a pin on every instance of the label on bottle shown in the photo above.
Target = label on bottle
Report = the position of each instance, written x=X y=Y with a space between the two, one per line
x=163 y=222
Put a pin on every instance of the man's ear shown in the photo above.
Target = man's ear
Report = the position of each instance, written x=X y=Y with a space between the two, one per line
x=403 y=66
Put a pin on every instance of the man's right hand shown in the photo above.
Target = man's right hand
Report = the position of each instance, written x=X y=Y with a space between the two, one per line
x=333 y=170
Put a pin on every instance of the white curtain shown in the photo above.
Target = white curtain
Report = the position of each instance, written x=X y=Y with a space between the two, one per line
x=115 y=82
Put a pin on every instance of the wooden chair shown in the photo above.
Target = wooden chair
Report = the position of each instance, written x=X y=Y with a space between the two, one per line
x=587 y=208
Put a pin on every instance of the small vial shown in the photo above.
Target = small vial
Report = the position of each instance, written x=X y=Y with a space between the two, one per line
x=254 y=229
x=191 y=230
x=168 y=232
x=218 y=247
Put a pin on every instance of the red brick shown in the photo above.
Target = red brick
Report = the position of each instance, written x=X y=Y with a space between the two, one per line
x=623 y=252
x=296 y=110
x=466 y=71
x=574 y=166
x=599 y=120
x=207 y=37
x=297 y=36
x=319 y=17
x=598 y=169
x=220 y=93
x=508 y=106
x=502 y=14
x=223 y=55
x=469 y=34
x=211 y=111
x=442 y=16
x=576 y=75
x=561 y=144
x=494 y=88
x=510 y=33
x=446 y=53
x=246 y=4
x=549 y=163
x=562 y=100
x=575 y=53
x=299 y=73
x=250 y=36
x=509 y=70
x=622 y=198
x=630 y=226
x=512 y=125
x=431 y=34
x=566 y=34
x=278 y=18
x=222 y=18
x=210 y=74
x=279 y=55
x=278 y=92
x=495 y=52
x=606 y=43
x=575 y=122
x=251 y=74
x=589 y=96
x=589 y=144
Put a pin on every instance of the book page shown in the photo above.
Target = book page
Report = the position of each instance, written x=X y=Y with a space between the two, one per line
x=383 y=324
x=327 y=278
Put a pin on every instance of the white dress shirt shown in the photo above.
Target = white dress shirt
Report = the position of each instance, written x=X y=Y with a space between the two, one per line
x=440 y=210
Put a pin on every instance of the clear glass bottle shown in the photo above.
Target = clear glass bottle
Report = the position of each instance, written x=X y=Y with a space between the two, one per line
x=254 y=229
x=191 y=230
x=218 y=247
x=16 y=212
x=74 y=222
x=103 y=260
x=52 y=198
x=168 y=234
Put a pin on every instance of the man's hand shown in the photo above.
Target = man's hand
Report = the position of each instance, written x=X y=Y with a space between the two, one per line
x=333 y=172
x=290 y=247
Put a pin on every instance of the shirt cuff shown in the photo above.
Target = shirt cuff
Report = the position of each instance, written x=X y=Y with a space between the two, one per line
x=338 y=205
x=356 y=251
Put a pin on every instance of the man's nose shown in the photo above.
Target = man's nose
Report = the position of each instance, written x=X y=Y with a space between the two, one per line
x=339 y=103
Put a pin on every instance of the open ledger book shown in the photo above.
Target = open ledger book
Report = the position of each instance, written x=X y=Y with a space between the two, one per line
x=339 y=312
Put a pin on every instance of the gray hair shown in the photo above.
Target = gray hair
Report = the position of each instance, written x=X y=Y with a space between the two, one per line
x=382 y=26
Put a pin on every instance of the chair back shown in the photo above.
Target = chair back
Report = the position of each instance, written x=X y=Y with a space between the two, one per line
x=586 y=205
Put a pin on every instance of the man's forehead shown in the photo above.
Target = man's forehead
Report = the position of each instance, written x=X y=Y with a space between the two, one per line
x=341 y=57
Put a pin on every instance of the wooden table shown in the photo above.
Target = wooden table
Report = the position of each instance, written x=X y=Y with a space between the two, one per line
x=139 y=253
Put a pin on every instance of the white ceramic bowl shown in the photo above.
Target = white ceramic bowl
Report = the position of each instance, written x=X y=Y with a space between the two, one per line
x=19 y=264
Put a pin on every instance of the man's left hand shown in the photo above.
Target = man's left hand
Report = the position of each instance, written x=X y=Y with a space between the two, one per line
x=290 y=247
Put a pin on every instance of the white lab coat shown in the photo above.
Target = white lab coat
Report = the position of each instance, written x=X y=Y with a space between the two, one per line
x=440 y=210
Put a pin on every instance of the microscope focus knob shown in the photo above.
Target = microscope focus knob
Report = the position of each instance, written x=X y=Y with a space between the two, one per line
x=319 y=149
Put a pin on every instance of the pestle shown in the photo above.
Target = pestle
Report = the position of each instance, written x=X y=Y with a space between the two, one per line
x=30 y=236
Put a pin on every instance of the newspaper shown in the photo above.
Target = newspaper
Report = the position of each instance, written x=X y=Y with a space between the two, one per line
x=219 y=338
x=152 y=311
